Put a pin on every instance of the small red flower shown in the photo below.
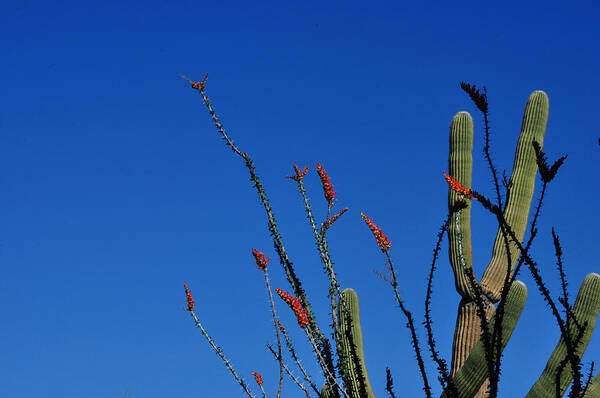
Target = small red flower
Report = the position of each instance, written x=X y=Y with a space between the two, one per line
x=258 y=378
x=457 y=187
x=189 y=299
x=261 y=263
x=327 y=187
x=294 y=303
x=335 y=217
x=382 y=240
x=299 y=174
x=197 y=85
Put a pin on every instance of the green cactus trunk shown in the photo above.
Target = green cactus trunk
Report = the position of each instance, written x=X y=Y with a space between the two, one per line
x=460 y=164
x=352 y=347
x=516 y=212
x=471 y=376
x=466 y=335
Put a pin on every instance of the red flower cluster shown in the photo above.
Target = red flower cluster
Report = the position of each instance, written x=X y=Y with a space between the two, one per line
x=327 y=187
x=190 y=300
x=258 y=378
x=457 y=187
x=335 y=217
x=382 y=240
x=299 y=174
x=261 y=263
x=200 y=85
x=294 y=303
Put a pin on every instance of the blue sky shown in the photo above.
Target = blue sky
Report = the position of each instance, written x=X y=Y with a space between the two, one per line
x=116 y=188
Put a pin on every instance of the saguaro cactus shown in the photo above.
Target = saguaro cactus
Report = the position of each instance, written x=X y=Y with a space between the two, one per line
x=516 y=213
x=498 y=296
x=468 y=354
x=352 y=344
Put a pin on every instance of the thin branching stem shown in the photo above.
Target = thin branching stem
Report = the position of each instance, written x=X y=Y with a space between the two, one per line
x=334 y=288
x=290 y=347
x=221 y=355
x=331 y=381
x=410 y=324
x=389 y=385
x=276 y=322
x=277 y=240
x=534 y=270
x=444 y=378
x=287 y=370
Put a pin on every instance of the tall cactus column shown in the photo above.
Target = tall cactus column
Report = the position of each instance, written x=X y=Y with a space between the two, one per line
x=460 y=162
x=352 y=346
x=523 y=175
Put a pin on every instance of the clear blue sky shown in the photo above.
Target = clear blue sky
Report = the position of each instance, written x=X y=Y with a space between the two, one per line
x=116 y=188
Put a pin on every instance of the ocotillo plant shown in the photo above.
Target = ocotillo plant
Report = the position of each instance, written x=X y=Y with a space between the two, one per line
x=489 y=309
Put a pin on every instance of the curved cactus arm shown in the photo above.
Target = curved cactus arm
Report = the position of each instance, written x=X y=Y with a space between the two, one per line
x=474 y=372
x=593 y=390
x=355 y=334
x=535 y=119
x=585 y=309
x=460 y=164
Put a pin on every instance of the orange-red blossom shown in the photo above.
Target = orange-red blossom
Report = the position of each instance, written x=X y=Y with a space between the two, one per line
x=457 y=187
x=382 y=240
x=189 y=299
x=327 y=187
x=299 y=174
x=261 y=263
x=294 y=303
x=258 y=378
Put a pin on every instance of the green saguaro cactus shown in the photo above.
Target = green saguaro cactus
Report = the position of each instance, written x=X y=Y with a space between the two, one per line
x=516 y=212
x=468 y=330
x=468 y=370
x=352 y=345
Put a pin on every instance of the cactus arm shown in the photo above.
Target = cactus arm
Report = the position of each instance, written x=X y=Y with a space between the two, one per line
x=460 y=164
x=353 y=384
x=593 y=390
x=474 y=372
x=585 y=309
x=516 y=213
